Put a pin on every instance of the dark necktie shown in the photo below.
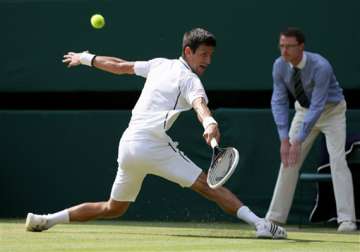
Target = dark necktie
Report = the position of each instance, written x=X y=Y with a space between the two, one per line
x=300 y=95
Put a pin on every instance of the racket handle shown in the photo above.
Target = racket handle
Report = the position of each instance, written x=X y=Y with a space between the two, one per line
x=213 y=143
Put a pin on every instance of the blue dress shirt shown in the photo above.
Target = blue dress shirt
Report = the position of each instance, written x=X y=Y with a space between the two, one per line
x=320 y=86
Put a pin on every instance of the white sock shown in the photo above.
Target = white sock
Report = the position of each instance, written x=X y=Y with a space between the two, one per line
x=245 y=214
x=58 y=218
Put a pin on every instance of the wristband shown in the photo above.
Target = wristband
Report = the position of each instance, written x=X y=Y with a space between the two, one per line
x=87 y=58
x=207 y=121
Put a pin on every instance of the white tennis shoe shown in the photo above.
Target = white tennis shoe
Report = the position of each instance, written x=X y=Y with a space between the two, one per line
x=35 y=223
x=347 y=226
x=267 y=229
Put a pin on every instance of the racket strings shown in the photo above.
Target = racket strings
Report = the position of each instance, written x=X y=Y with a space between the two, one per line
x=221 y=165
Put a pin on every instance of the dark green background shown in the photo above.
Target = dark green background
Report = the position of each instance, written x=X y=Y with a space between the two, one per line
x=36 y=34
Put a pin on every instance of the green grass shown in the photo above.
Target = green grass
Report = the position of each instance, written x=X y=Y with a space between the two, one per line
x=164 y=236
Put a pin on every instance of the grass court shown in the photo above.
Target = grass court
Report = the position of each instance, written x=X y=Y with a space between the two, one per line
x=103 y=236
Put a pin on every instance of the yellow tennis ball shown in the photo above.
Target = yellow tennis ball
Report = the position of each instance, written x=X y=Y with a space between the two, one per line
x=97 y=21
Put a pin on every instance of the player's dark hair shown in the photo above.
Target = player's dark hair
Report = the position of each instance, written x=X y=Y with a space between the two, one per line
x=294 y=32
x=197 y=37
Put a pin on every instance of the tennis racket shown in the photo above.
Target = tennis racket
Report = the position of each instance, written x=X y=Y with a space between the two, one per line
x=223 y=164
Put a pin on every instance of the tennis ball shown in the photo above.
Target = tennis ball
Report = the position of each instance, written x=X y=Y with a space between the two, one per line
x=97 y=21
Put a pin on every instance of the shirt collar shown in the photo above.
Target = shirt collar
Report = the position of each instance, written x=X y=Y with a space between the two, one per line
x=185 y=63
x=302 y=62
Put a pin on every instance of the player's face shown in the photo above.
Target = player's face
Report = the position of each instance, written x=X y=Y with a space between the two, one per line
x=290 y=49
x=200 y=59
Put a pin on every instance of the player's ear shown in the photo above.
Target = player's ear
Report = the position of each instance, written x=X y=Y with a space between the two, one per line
x=187 y=51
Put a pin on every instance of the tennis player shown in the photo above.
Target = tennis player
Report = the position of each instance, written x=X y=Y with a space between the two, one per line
x=172 y=86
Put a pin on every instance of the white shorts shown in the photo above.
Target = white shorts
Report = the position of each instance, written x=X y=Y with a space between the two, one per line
x=136 y=159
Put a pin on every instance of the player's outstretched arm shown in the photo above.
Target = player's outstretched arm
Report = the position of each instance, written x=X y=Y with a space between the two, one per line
x=109 y=64
x=113 y=65
x=203 y=113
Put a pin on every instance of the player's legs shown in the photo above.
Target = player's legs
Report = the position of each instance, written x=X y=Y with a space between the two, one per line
x=288 y=176
x=226 y=200
x=97 y=210
x=334 y=128
x=223 y=197
x=173 y=165
x=82 y=212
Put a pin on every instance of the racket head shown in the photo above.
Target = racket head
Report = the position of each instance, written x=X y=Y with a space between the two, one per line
x=223 y=165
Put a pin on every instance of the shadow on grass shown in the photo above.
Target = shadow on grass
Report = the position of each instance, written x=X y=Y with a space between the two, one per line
x=239 y=237
x=234 y=237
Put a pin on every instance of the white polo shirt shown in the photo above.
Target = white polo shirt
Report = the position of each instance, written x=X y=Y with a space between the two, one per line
x=170 y=89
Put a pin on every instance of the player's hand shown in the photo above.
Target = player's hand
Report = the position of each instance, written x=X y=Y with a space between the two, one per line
x=212 y=131
x=284 y=152
x=71 y=59
x=294 y=153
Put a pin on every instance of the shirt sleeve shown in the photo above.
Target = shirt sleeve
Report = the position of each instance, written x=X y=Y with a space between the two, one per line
x=319 y=97
x=142 y=68
x=280 y=103
x=192 y=88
